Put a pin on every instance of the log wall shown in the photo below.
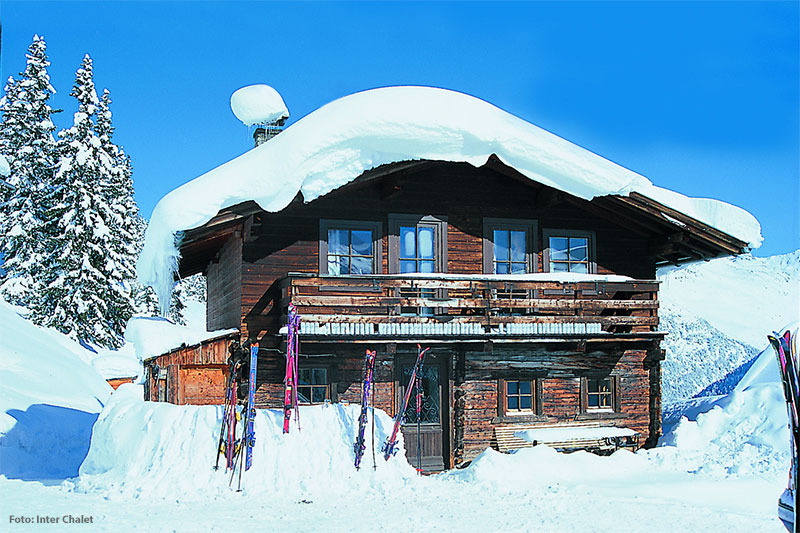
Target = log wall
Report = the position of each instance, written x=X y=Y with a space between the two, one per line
x=224 y=287
x=288 y=241
x=559 y=371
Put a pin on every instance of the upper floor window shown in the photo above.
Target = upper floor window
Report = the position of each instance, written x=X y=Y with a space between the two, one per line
x=349 y=247
x=508 y=246
x=569 y=251
x=417 y=244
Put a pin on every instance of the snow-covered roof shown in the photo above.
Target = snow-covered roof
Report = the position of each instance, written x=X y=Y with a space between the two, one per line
x=154 y=336
x=258 y=104
x=338 y=142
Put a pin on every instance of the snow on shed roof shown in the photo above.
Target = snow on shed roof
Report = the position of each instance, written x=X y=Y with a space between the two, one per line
x=338 y=142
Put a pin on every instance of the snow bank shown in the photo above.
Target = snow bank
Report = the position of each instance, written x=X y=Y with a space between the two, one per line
x=543 y=466
x=745 y=297
x=161 y=450
x=700 y=359
x=49 y=398
x=121 y=363
x=336 y=143
x=258 y=104
x=152 y=336
x=742 y=433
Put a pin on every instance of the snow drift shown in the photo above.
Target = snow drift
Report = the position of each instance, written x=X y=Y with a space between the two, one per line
x=745 y=297
x=335 y=144
x=49 y=399
x=160 y=450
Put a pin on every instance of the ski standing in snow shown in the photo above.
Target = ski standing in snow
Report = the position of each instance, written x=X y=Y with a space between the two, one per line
x=786 y=350
x=250 y=438
x=290 y=380
x=359 y=446
x=390 y=446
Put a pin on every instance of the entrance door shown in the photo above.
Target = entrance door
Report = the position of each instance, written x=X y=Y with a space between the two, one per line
x=425 y=442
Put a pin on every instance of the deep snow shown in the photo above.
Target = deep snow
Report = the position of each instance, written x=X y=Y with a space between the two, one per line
x=338 y=142
x=50 y=397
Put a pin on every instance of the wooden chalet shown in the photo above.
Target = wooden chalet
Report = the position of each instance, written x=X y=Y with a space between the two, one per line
x=540 y=308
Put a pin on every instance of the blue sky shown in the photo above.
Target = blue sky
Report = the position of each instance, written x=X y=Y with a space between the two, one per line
x=701 y=98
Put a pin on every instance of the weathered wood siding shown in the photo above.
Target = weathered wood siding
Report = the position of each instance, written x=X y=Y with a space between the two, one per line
x=224 y=287
x=278 y=243
x=194 y=374
x=559 y=371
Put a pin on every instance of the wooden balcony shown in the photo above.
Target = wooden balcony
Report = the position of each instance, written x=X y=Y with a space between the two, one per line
x=481 y=307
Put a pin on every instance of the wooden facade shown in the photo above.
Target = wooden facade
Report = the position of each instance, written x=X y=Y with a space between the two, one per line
x=505 y=350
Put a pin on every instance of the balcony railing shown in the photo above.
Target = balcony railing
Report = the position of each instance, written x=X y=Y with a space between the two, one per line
x=447 y=305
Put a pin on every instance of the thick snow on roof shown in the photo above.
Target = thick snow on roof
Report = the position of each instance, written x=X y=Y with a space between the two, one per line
x=335 y=144
x=258 y=104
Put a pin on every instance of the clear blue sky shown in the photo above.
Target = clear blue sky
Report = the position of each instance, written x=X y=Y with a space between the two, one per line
x=701 y=98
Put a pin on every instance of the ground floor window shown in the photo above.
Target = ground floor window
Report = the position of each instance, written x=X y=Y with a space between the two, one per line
x=599 y=394
x=518 y=397
x=313 y=386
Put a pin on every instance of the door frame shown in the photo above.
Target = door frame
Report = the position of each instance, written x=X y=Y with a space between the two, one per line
x=442 y=359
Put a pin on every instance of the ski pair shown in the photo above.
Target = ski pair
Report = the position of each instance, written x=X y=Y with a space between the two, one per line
x=228 y=441
x=227 y=433
x=390 y=446
x=290 y=379
x=785 y=347
x=360 y=446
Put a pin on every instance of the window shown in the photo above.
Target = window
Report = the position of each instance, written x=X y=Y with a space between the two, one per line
x=313 y=386
x=599 y=394
x=569 y=251
x=349 y=247
x=508 y=246
x=417 y=244
x=518 y=397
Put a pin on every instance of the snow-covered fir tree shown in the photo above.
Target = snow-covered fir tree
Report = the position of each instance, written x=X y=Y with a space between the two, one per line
x=26 y=141
x=87 y=291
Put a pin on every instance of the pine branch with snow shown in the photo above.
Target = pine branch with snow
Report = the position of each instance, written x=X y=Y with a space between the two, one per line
x=27 y=144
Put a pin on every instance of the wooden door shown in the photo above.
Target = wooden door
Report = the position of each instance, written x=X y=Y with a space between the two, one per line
x=425 y=442
x=202 y=385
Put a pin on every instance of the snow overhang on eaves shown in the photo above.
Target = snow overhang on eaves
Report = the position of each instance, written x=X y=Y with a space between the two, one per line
x=335 y=144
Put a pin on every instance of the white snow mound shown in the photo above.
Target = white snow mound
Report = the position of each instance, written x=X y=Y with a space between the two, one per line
x=258 y=104
x=338 y=142
x=49 y=399
x=162 y=450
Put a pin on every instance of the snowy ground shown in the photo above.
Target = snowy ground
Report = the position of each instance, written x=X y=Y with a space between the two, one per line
x=657 y=501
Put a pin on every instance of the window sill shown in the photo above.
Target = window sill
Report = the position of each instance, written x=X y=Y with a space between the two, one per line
x=520 y=419
x=599 y=415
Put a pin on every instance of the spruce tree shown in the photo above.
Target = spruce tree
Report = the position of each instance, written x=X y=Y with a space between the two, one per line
x=26 y=141
x=86 y=294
